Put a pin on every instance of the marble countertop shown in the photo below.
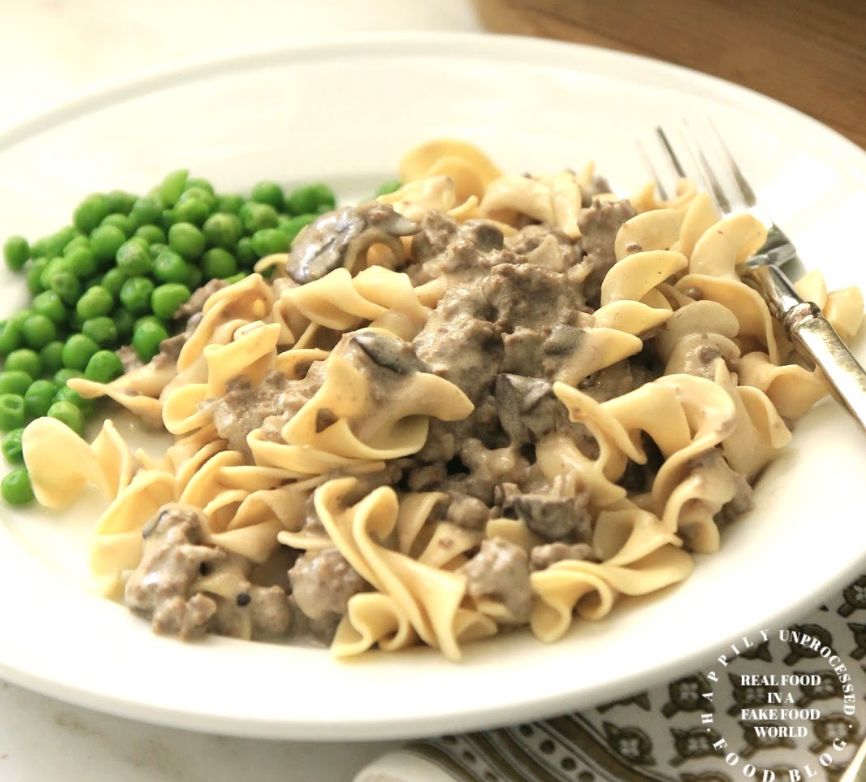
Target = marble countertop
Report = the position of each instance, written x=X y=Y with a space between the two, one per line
x=50 y=49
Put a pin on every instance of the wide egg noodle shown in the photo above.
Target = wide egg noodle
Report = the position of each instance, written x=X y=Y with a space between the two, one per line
x=62 y=464
x=429 y=598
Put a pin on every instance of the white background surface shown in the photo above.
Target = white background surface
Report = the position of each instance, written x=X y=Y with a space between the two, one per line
x=50 y=49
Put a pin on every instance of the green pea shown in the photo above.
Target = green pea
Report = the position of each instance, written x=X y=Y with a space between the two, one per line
x=191 y=210
x=197 y=193
x=51 y=356
x=245 y=254
x=105 y=241
x=77 y=351
x=67 y=413
x=133 y=257
x=146 y=211
x=235 y=278
x=76 y=244
x=49 y=304
x=95 y=302
x=157 y=247
x=149 y=319
x=67 y=286
x=146 y=340
x=63 y=376
x=172 y=186
x=14 y=381
x=197 y=183
x=269 y=193
x=113 y=281
x=10 y=337
x=152 y=234
x=256 y=216
x=38 y=331
x=12 y=448
x=66 y=394
x=26 y=360
x=33 y=275
x=39 y=397
x=186 y=240
x=11 y=412
x=135 y=294
x=167 y=219
x=218 y=263
x=16 y=487
x=16 y=251
x=102 y=330
x=91 y=212
x=165 y=299
x=168 y=266
x=269 y=241
x=19 y=317
x=82 y=262
x=123 y=322
x=391 y=186
x=59 y=240
x=103 y=367
x=55 y=266
x=194 y=277
x=295 y=225
x=308 y=198
x=120 y=202
x=40 y=247
x=123 y=222
x=229 y=203
x=223 y=230
x=75 y=320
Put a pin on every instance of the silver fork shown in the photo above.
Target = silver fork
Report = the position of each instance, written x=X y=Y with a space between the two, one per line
x=769 y=269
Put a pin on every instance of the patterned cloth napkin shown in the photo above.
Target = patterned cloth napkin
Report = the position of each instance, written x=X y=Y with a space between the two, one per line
x=662 y=734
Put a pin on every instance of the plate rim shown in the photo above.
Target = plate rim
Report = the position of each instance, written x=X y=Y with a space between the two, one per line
x=478 y=46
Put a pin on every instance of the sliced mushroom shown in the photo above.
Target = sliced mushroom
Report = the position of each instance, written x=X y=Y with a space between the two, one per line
x=389 y=352
x=337 y=239
x=525 y=406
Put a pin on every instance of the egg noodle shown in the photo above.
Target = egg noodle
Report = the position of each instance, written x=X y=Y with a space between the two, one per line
x=716 y=410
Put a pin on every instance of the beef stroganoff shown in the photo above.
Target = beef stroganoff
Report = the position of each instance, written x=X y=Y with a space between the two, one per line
x=478 y=402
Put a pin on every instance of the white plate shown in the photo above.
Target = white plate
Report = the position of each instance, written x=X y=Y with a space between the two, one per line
x=343 y=113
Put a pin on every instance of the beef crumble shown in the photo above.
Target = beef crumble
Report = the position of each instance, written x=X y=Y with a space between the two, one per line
x=167 y=584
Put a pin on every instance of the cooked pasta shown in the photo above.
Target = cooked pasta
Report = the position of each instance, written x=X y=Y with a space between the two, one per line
x=479 y=402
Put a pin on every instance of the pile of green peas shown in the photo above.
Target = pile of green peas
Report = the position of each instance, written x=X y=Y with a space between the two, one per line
x=116 y=276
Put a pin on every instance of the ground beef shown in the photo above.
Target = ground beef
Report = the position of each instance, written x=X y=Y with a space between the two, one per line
x=500 y=571
x=437 y=231
x=714 y=466
x=599 y=225
x=528 y=296
x=460 y=343
x=268 y=405
x=166 y=585
x=467 y=511
x=322 y=583
x=267 y=609
x=528 y=239
x=544 y=556
x=244 y=407
x=161 y=585
x=129 y=358
x=554 y=518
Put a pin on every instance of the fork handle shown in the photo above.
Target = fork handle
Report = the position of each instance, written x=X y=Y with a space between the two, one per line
x=815 y=338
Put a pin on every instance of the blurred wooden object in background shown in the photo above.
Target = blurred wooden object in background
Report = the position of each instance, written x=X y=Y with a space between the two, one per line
x=810 y=54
